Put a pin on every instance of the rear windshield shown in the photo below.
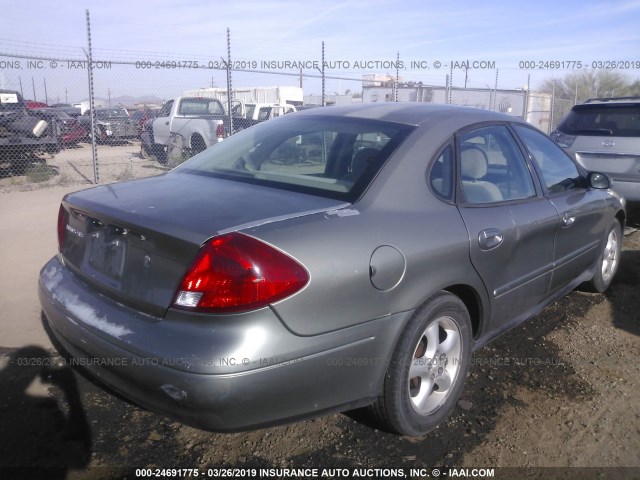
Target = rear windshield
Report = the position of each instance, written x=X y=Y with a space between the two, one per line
x=605 y=120
x=335 y=158
x=200 y=106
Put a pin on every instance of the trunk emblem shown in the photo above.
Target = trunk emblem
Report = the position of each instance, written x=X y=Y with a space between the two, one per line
x=608 y=143
x=75 y=231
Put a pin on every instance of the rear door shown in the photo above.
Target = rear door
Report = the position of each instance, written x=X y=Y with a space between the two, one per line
x=582 y=224
x=511 y=226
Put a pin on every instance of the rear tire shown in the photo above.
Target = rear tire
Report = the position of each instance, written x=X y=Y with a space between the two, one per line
x=608 y=261
x=197 y=145
x=428 y=368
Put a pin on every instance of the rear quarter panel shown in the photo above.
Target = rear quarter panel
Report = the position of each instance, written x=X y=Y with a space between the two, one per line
x=336 y=247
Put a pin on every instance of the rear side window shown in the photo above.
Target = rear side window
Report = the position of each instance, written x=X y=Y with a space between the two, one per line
x=602 y=120
x=492 y=167
x=559 y=173
x=441 y=176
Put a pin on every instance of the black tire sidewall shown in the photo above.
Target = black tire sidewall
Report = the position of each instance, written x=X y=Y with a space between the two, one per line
x=403 y=418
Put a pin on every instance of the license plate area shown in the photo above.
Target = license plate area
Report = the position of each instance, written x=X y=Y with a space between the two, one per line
x=106 y=253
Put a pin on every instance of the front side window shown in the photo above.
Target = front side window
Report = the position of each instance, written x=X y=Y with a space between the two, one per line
x=327 y=156
x=559 y=173
x=492 y=167
x=166 y=109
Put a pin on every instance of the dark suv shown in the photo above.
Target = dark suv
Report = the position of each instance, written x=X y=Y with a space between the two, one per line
x=603 y=135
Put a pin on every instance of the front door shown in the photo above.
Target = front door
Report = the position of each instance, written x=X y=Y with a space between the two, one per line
x=581 y=229
x=511 y=228
x=162 y=124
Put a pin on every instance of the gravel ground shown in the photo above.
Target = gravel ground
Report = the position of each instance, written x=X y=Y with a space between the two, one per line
x=562 y=390
x=74 y=166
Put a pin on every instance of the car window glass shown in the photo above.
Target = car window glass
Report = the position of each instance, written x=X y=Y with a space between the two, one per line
x=307 y=153
x=166 y=109
x=559 y=173
x=441 y=174
x=263 y=113
x=602 y=120
x=200 y=106
x=319 y=155
x=249 y=111
x=492 y=167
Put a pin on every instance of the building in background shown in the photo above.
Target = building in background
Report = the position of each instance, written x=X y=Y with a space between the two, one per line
x=277 y=95
x=534 y=107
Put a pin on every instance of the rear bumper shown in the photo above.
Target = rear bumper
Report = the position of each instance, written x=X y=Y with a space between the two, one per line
x=223 y=374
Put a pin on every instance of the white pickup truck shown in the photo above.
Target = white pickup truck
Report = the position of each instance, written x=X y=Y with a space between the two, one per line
x=184 y=126
x=252 y=113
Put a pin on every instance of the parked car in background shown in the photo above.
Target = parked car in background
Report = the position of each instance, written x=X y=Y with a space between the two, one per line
x=112 y=124
x=23 y=134
x=70 y=130
x=249 y=114
x=603 y=134
x=141 y=117
x=184 y=125
x=32 y=104
x=67 y=108
x=326 y=260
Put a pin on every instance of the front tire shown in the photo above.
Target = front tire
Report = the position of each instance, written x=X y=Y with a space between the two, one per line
x=608 y=261
x=428 y=368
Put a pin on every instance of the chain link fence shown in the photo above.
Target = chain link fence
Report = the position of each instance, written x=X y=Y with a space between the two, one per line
x=80 y=117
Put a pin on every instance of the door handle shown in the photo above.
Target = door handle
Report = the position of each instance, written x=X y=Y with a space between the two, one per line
x=490 y=238
x=568 y=219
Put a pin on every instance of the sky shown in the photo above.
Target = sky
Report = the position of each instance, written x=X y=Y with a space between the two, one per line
x=508 y=42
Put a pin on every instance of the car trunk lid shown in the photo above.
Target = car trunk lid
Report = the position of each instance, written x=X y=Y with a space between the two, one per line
x=134 y=241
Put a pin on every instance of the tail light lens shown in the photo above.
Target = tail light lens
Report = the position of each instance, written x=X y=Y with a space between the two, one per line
x=63 y=219
x=220 y=131
x=234 y=272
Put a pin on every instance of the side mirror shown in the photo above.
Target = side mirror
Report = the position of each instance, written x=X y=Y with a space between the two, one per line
x=598 y=180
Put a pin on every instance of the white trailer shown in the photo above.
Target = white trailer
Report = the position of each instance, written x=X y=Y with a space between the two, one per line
x=274 y=95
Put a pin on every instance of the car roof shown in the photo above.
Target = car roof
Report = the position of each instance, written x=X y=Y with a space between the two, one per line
x=414 y=114
x=629 y=100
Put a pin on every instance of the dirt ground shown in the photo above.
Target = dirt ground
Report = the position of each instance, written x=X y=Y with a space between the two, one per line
x=562 y=390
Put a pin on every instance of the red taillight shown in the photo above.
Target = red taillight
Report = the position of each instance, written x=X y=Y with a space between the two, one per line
x=235 y=272
x=63 y=218
x=220 y=131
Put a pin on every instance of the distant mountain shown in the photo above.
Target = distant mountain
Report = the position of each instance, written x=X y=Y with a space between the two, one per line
x=130 y=101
